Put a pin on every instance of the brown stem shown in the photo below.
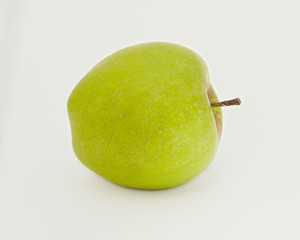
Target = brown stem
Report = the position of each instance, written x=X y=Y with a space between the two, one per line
x=231 y=102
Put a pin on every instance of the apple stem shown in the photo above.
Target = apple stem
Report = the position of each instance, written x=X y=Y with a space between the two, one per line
x=231 y=102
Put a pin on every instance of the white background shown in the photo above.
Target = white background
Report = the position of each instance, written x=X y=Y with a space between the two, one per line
x=252 y=188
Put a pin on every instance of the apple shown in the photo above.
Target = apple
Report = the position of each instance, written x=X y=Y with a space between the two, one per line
x=147 y=116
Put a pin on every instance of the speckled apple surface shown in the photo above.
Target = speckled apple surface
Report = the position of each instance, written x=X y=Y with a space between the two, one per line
x=142 y=117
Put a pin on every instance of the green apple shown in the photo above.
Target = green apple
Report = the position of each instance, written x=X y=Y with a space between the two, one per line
x=143 y=117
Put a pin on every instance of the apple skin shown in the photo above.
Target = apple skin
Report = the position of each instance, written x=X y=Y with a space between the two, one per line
x=142 y=118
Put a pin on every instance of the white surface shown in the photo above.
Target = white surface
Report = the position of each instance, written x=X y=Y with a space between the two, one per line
x=252 y=188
